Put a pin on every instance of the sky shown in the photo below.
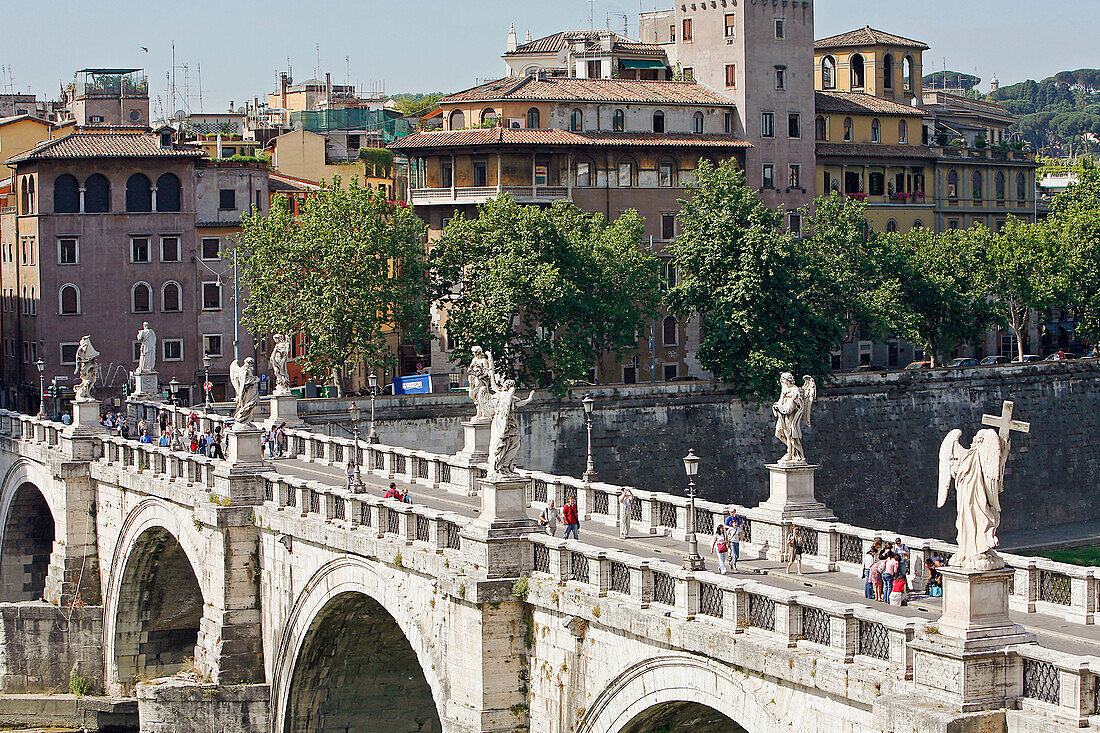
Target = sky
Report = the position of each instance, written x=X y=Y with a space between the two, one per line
x=234 y=51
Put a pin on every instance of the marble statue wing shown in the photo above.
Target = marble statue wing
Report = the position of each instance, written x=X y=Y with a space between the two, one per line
x=809 y=395
x=989 y=458
x=237 y=376
x=950 y=450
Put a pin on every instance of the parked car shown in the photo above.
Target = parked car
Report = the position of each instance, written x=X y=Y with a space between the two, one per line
x=685 y=378
x=1062 y=356
x=1027 y=359
x=920 y=365
x=993 y=360
x=963 y=362
x=868 y=368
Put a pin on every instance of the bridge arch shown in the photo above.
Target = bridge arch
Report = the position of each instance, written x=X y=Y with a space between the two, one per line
x=28 y=529
x=156 y=596
x=345 y=603
x=665 y=683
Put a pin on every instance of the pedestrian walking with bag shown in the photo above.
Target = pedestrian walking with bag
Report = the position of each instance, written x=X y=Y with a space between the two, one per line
x=626 y=505
x=549 y=518
x=720 y=547
x=794 y=549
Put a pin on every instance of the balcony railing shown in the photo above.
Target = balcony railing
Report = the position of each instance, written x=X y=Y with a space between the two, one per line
x=481 y=194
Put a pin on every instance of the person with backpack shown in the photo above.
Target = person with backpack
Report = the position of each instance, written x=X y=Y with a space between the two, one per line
x=549 y=518
x=570 y=519
x=720 y=547
x=734 y=533
x=794 y=548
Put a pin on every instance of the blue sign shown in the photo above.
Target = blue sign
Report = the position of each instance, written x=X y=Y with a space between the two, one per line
x=414 y=384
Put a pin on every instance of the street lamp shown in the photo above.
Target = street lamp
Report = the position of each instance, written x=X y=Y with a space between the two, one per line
x=691 y=467
x=355 y=412
x=372 y=437
x=41 y=388
x=174 y=388
x=590 y=468
x=206 y=381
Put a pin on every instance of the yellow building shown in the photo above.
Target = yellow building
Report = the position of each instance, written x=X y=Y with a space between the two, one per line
x=304 y=154
x=869 y=61
x=20 y=133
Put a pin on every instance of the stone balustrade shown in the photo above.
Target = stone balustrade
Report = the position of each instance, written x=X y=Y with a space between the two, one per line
x=1064 y=685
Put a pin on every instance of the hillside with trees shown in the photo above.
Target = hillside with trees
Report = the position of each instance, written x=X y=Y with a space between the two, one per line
x=1059 y=115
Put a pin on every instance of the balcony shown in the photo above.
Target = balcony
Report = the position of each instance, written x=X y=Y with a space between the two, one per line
x=481 y=194
x=987 y=153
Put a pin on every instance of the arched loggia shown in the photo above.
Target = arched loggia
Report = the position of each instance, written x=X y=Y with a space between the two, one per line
x=357 y=671
x=27 y=543
x=681 y=717
x=160 y=605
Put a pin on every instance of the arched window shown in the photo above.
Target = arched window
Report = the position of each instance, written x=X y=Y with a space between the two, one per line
x=66 y=195
x=139 y=193
x=141 y=298
x=855 y=62
x=69 y=298
x=828 y=73
x=170 y=298
x=891 y=226
x=876 y=131
x=697 y=123
x=533 y=121
x=658 y=121
x=847 y=129
x=489 y=115
x=24 y=204
x=458 y=120
x=903 y=132
x=33 y=303
x=670 y=332
x=952 y=184
x=97 y=194
x=978 y=185
x=918 y=224
x=887 y=72
x=585 y=176
x=627 y=169
x=907 y=73
x=168 y=193
x=1021 y=187
x=821 y=132
x=30 y=194
x=999 y=185
x=618 y=121
x=576 y=120
x=666 y=172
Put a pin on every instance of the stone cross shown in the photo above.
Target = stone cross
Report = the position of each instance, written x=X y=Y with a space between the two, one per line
x=1004 y=422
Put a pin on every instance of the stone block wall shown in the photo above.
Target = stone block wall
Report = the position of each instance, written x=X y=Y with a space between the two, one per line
x=179 y=706
x=41 y=647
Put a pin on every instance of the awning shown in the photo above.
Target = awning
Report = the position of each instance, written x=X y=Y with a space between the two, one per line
x=642 y=63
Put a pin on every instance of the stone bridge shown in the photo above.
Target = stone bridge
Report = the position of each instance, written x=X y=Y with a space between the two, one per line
x=244 y=595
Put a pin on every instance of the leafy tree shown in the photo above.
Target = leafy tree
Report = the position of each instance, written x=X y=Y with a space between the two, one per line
x=416 y=104
x=1075 y=222
x=547 y=290
x=950 y=80
x=349 y=272
x=753 y=284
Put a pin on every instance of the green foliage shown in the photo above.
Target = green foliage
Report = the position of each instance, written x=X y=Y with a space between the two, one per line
x=349 y=272
x=950 y=80
x=416 y=104
x=1088 y=556
x=1057 y=112
x=546 y=290
x=520 y=588
x=1075 y=223
x=379 y=160
x=757 y=289
x=79 y=685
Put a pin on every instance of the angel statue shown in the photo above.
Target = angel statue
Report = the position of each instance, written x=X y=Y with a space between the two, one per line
x=280 y=355
x=790 y=411
x=87 y=368
x=978 y=473
x=247 y=385
x=481 y=377
x=504 y=432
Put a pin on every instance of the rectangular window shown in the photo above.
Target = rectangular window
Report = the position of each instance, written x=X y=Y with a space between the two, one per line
x=353 y=144
x=780 y=78
x=626 y=175
x=672 y=34
x=952 y=223
x=796 y=224
x=173 y=349
x=68 y=353
x=731 y=76
x=446 y=174
x=665 y=177
x=258 y=206
x=876 y=183
x=731 y=25
x=780 y=28
x=34 y=351
x=584 y=174
x=169 y=249
x=211 y=297
x=767 y=124
x=794 y=125
x=480 y=173
x=210 y=247
x=541 y=174
x=728 y=122
x=594 y=71
x=212 y=344
x=794 y=176
x=768 y=176
x=668 y=226
x=865 y=348
x=687 y=30
x=670 y=372
x=68 y=252
x=689 y=73
x=227 y=199
x=139 y=249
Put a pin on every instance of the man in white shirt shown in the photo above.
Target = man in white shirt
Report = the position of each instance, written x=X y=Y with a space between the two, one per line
x=626 y=504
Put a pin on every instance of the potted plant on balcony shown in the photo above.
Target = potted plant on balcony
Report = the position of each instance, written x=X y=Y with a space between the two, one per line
x=918 y=195
x=857 y=195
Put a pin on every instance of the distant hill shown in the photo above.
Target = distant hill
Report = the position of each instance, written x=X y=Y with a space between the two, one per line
x=1059 y=115
x=950 y=80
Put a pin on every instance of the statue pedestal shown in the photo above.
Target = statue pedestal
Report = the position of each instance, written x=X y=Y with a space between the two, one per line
x=961 y=658
x=495 y=540
x=284 y=409
x=476 y=447
x=245 y=446
x=791 y=496
x=238 y=477
x=147 y=384
x=85 y=419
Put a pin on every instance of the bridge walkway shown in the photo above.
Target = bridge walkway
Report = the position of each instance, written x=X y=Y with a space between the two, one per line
x=1052 y=632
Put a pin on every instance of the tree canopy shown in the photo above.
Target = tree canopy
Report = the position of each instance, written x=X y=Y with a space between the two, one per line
x=546 y=290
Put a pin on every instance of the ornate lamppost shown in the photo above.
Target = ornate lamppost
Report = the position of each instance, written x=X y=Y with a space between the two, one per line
x=173 y=389
x=206 y=380
x=372 y=437
x=590 y=467
x=41 y=388
x=693 y=561
x=355 y=412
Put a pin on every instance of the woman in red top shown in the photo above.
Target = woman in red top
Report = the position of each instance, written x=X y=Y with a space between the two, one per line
x=570 y=519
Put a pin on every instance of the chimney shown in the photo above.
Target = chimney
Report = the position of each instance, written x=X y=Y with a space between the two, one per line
x=230 y=106
x=512 y=42
x=282 y=89
x=328 y=89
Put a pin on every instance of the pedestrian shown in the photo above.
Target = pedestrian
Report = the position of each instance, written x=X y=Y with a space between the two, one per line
x=732 y=518
x=720 y=547
x=393 y=492
x=903 y=555
x=350 y=471
x=889 y=572
x=162 y=441
x=935 y=579
x=145 y=439
x=875 y=574
x=733 y=541
x=163 y=419
x=280 y=440
x=217 y=438
x=124 y=431
x=570 y=519
x=549 y=518
x=626 y=504
x=794 y=548
x=899 y=591
x=193 y=441
x=869 y=558
x=270 y=443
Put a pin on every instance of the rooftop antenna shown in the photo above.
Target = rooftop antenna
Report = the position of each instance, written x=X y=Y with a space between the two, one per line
x=198 y=70
x=317 y=68
x=591 y=15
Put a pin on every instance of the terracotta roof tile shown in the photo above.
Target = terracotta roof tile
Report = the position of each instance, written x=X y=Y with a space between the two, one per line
x=590 y=39
x=529 y=88
x=868 y=36
x=872 y=150
x=858 y=103
x=507 y=136
x=106 y=145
